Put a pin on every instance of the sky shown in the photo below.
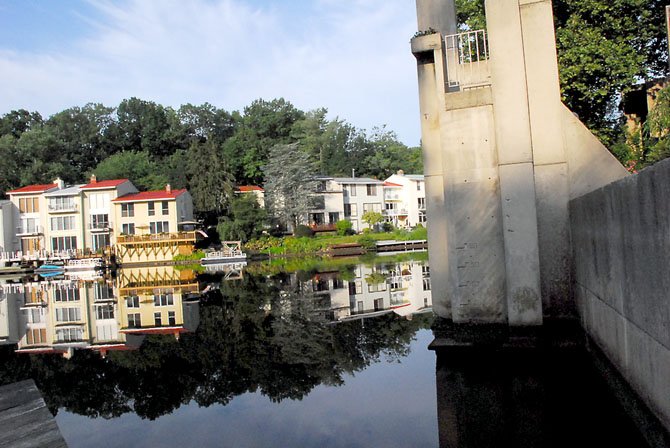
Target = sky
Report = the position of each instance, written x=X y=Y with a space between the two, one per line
x=351 y=57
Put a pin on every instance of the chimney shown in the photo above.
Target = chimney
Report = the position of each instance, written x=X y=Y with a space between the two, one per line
x=59 y=183
x=401 y=173
x=94 y=179
x=168 y=188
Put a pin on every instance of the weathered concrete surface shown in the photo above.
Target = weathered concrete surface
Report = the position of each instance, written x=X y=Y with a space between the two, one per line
x=502 y=159
x=621 y=246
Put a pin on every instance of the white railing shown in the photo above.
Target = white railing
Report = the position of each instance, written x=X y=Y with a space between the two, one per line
x=467 y=58
x=29 y=230
x=63 y=207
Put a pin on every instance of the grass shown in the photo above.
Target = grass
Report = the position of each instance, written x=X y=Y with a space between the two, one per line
x=320 y=244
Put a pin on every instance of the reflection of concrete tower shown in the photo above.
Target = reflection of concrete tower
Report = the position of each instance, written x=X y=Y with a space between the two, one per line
x=502 y=157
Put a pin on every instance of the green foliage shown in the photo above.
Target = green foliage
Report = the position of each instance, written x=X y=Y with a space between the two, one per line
x=246 y=219
x=344 y=227
x=372 y=218
x=136 y=166
x=194 y=256
x=303 y=231
x=387 y=227
x=210 y=179
x=368 y=242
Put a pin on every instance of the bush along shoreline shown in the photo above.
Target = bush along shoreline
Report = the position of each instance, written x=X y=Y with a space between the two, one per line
x=321 y=244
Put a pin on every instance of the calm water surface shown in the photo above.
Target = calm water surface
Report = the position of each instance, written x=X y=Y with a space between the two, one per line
x=328 y=354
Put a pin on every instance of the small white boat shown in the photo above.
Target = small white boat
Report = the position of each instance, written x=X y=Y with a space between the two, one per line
x=231 y=252
x=84 y=264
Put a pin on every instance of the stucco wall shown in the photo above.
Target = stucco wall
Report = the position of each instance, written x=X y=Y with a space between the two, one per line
x=621 y=246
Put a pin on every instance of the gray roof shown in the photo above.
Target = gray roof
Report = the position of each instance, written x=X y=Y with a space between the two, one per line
x=357 y=180
x=415 y=176
x=67 y=191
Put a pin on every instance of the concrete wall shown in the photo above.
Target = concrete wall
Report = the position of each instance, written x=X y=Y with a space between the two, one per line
x=621 y=247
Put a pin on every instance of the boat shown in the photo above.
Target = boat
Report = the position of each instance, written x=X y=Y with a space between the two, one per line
x=50 y=270
x=84 y=264
x=231 y=252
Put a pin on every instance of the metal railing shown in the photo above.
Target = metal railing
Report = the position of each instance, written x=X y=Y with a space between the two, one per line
x=29 y=230
x=63 y=207
x=156 y=237
x=467 y=56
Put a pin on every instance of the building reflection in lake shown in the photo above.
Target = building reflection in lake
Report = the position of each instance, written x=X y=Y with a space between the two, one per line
x=59 y=315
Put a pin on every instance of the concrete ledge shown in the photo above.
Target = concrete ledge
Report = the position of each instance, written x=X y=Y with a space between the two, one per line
x=429 y=42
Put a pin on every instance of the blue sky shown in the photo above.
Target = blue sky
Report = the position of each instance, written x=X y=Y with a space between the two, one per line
x=349 y=56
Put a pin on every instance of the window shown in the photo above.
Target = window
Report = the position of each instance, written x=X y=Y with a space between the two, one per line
x=63 y=223
x=98 y=201
x=100 y=221
x=61 y=203
x=347 y=210
x=68 y=314
x=36 y=336
x=163 y=300
x=30 y=225
x=158 y=321
x=152 y=210
x=418 y=186
x=100 y=241
x=69 y=334
x=134 y=320
x=333 y=217
x=379 y=304
x=372 y=189
x=64 y=243
x=128 y=229
x=66 y=294
x=395 y=283
x=166 y=207
x=422 y=217
x=127 y=210
x=426 y=284
x=172 y=320
x=102 y=291
x=104 y=312
x=29 y=205
x=422 y=203
x=132 y=302
x=159 y=227
x=352 y=190
x=34 y=315
x=338 y=283
x=376 y=287
x=390 y=206
x=425 y=270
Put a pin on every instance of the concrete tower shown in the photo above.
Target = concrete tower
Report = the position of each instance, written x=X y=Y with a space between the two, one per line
x=502 y=158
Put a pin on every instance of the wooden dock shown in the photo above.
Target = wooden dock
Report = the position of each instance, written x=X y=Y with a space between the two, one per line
x=25 y=419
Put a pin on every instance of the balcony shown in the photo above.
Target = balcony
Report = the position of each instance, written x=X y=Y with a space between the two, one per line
x=395 y=212
x=391 y=196
x=99 y=226
x=63 y=208
x=29 y=230
x=467 y=57
x=156 y=237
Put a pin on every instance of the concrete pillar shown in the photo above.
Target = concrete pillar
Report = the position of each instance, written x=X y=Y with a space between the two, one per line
x=439 y=15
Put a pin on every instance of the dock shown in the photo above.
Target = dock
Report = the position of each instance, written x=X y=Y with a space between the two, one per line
x=25 y=419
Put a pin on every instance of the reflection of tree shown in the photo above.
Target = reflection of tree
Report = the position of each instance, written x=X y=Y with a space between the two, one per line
x=253 y=336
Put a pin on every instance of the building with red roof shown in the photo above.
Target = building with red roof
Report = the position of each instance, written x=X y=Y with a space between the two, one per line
x=257 y=191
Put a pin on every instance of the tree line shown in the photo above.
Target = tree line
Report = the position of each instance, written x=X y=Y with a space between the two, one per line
x=200 y=147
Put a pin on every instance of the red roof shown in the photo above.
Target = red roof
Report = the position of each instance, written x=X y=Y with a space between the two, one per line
x=150 y=195
x=391 y=184
x=247 y=188
x=104 y=184
x=33 y=189
x=155 y=330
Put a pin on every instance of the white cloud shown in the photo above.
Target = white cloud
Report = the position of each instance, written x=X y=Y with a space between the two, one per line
x=350 y=56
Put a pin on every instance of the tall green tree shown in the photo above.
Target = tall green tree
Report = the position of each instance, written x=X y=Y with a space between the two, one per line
x=17 y=122
x=209 y=178
x=289 y=183
x=246 y=219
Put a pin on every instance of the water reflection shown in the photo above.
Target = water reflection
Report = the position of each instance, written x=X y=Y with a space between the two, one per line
x=151 y=339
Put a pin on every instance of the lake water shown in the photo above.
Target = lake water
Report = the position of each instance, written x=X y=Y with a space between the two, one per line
x=297 y=353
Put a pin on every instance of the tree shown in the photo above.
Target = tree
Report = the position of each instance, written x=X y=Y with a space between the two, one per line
x=19 y=121
x=210 y=180
x=390 y=156
x=136 y=166
x=604 y=47
x=246 y=220
x=289 y=184
x=372 y=218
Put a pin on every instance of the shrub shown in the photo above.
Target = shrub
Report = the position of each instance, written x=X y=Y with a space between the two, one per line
x=367 y=242
x=388 y=227
x=344 y=227
x=302 y=230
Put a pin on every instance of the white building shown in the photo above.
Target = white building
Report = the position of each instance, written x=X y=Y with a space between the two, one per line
x=360 y=194
x=405 y=200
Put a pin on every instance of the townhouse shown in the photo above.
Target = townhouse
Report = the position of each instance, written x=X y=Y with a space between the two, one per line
x=152 y=225
x=405 y=200
x=29 y=215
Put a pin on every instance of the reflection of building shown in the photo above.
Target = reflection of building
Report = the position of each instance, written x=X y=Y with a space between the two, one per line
x=6 y=227
x=59 y=316
x=148 y=225
x=157 y=300
x=401 y=288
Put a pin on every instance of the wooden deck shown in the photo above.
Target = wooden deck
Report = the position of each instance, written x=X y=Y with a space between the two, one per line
x=25 y=419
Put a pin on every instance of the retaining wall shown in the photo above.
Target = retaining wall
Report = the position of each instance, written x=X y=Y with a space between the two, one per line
x=621 y=246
